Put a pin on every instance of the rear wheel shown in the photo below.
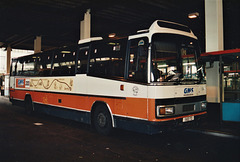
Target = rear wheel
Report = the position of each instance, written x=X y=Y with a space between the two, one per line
x=102 y=120
x=29 y=105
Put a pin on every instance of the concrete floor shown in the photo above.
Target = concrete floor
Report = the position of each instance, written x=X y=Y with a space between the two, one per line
x=42 y=138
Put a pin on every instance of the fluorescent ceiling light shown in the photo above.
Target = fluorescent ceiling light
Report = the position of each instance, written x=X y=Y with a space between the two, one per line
x=112 y=35
x=193 y=15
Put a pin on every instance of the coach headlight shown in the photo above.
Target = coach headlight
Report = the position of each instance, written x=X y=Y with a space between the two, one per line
x=204 y=105
x=165 y=110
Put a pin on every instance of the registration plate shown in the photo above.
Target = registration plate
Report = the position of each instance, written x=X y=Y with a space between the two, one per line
x=189 y=118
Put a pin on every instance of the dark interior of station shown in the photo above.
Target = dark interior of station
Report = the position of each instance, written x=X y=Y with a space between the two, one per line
x=58 y=22
x=32 y=136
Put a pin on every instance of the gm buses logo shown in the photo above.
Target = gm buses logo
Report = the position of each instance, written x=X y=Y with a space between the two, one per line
x=188 y=91
x=135 y=90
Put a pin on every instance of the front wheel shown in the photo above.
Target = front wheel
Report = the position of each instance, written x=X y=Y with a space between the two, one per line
x=102 y=120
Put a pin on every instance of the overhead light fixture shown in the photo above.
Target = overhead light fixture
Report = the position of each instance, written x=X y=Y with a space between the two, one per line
x=193 y=15
x=65 y=51
x=112 y=35
x=162 y=66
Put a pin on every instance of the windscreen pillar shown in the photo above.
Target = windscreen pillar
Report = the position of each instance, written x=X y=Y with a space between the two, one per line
x=9 y=49
x=214 y=42
x=37 y=44
x=85 y=26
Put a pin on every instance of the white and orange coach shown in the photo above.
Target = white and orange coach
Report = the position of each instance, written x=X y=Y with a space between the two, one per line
x=146 y=82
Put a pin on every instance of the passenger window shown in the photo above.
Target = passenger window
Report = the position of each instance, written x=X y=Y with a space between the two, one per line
x=138 y=60
x=19 y=67
x=43 y=65
x=28 y=66
x=64 y=62
x=13 y=68
x=107 y=59
x=82 y=60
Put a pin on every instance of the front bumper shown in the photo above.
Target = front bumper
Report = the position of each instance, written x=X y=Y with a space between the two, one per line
x=159 y=126
x=175 y=123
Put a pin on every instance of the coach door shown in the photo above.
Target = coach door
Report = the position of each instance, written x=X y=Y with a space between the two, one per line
x=137 y=67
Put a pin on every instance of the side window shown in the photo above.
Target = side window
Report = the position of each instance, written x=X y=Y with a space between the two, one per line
x=19 y=67
x=64 y=62
x=43 y=64
x=82 y=60
x=137 y=65
x=29 y=66
x=13 y=68
x=107 y=59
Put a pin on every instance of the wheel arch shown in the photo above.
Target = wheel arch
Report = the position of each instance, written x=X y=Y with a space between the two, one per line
x=96 y=104
x=27 y=95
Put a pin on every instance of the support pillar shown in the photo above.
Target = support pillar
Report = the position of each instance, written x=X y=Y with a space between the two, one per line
x=214 y=82
x=9 y=49
x=214 y=42
x=85 y=26
x=214 y=25
x=37 y=44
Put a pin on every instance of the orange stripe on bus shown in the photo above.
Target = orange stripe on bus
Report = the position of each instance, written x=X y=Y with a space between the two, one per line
x=142 y=108
x=134 y=107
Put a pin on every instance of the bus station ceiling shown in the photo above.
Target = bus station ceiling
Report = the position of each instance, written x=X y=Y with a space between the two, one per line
x=58 y=21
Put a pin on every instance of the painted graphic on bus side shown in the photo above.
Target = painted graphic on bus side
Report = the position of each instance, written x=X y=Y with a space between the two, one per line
x=20 y=83
x=61 y=84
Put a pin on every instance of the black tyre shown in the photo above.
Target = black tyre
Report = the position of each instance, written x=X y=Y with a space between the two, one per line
x=29 y=105
x=102 y=120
